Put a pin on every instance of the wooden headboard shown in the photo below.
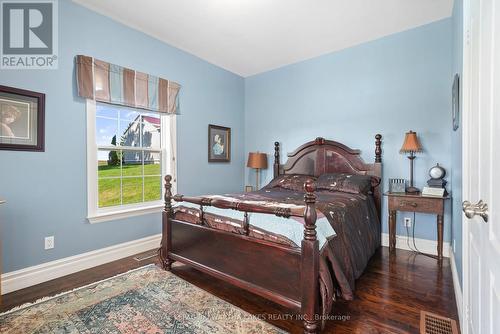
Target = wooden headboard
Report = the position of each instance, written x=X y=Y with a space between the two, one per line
x=322 y=156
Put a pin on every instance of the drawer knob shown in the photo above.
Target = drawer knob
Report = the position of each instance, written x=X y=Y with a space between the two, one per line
x=413 y=204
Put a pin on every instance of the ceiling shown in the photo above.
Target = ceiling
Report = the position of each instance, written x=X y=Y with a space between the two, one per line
x=252 y=36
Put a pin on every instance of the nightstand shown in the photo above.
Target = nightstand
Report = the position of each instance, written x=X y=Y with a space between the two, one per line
x=416 y=203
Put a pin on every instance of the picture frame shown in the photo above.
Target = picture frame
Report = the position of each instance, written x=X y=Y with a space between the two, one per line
x=248 y=189
x=397 y=186
x=455 y=102
x=219 y=143
x=22 y=120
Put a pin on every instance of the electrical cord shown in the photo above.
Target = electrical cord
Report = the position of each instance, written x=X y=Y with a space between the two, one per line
x=414 y=248
x=414 y=253
x=413 y=232
x=408 y=239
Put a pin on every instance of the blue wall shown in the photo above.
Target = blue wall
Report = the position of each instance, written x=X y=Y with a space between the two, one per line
x=456 y=141
x=46 y=192
x=388 y=86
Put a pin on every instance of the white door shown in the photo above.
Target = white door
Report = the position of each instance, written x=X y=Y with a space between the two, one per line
x=481 y=167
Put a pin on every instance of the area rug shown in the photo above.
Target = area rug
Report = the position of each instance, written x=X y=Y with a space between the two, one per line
x=145 y=300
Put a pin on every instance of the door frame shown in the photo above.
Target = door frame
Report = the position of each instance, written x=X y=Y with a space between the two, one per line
x=466 y=147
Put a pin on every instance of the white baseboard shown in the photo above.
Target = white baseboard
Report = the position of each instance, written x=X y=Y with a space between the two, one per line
x=23 y=278
x=423 y=245
x=458 y=289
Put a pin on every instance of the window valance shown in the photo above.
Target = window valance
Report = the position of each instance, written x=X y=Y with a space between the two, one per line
x=111 y=83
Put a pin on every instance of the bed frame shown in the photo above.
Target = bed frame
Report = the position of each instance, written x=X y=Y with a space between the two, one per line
x=286 y=275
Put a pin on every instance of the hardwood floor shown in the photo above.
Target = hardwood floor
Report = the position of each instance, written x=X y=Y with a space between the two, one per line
x=389 y=295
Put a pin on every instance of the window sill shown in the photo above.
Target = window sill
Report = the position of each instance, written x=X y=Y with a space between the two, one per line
x=105 y=216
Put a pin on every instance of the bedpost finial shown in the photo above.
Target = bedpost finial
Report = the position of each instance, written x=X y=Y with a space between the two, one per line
x=319 y=141
x=378 y=147
x=310 y=187
x=168 y=193
x=276 y=167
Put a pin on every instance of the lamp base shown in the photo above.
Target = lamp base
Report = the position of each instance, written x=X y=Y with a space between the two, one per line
x=412 y=190
x=257 y=170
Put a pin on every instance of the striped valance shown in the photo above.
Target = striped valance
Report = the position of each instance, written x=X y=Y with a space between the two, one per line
x=111 y=83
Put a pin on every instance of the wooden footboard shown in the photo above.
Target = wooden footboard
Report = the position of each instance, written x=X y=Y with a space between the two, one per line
x=262 y=268
x=286 y=275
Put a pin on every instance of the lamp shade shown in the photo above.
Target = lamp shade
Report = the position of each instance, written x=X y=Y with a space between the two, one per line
x=411 y=143
x=257 y=160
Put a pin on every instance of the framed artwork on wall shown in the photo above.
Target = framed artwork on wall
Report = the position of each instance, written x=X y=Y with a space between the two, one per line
x=455 y=102
x=219 y=143
x=22 y=118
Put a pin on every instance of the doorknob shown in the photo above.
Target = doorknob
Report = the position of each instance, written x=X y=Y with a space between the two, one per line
x=479 y=209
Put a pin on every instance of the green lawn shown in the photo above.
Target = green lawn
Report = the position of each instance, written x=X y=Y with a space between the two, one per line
x=128 y=170
x=109 y=187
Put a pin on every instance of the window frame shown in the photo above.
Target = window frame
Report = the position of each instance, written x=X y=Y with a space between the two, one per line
x=168 y=165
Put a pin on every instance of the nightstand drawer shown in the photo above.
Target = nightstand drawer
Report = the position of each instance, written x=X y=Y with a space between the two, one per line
x=419 y=204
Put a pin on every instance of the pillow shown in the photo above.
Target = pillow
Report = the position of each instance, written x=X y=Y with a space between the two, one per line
x=293 y=182
x=348 y=183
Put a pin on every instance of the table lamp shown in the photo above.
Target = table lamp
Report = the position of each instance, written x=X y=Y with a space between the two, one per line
x=411 y=145
x=257 y=161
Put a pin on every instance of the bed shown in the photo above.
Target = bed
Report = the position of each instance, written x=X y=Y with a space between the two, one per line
x=241 y=239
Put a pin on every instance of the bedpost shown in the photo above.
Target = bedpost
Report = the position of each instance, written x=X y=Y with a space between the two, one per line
x=167 y=215
x=378 y=147
x=377 y=170
x=309 y=273
x=276 y=159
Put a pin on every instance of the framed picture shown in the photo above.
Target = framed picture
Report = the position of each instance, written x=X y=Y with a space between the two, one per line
x=455 y=102
x=219 y=143
x=248 y=189
x=22 y=115
x=397 y=186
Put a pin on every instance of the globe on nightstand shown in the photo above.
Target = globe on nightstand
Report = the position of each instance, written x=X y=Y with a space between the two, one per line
x=437 y=174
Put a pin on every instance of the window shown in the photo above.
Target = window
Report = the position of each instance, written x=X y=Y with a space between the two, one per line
x=129 y=151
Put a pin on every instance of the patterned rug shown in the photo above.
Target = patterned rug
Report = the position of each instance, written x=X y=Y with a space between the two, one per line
x=145 y=300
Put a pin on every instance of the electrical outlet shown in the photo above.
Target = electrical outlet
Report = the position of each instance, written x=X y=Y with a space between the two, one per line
x=407 y=222
x=49 y=242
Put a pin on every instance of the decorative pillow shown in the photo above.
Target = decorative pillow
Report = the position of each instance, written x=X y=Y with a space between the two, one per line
x=348 y=183
x=293 y=182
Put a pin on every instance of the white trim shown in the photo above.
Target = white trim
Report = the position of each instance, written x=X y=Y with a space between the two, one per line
x=173 y=160
x=458 y=289
x=467 y=117
x=91 y=159
x=423 y=245
x=169 y=162
x=133 y=211
x=30 y=276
